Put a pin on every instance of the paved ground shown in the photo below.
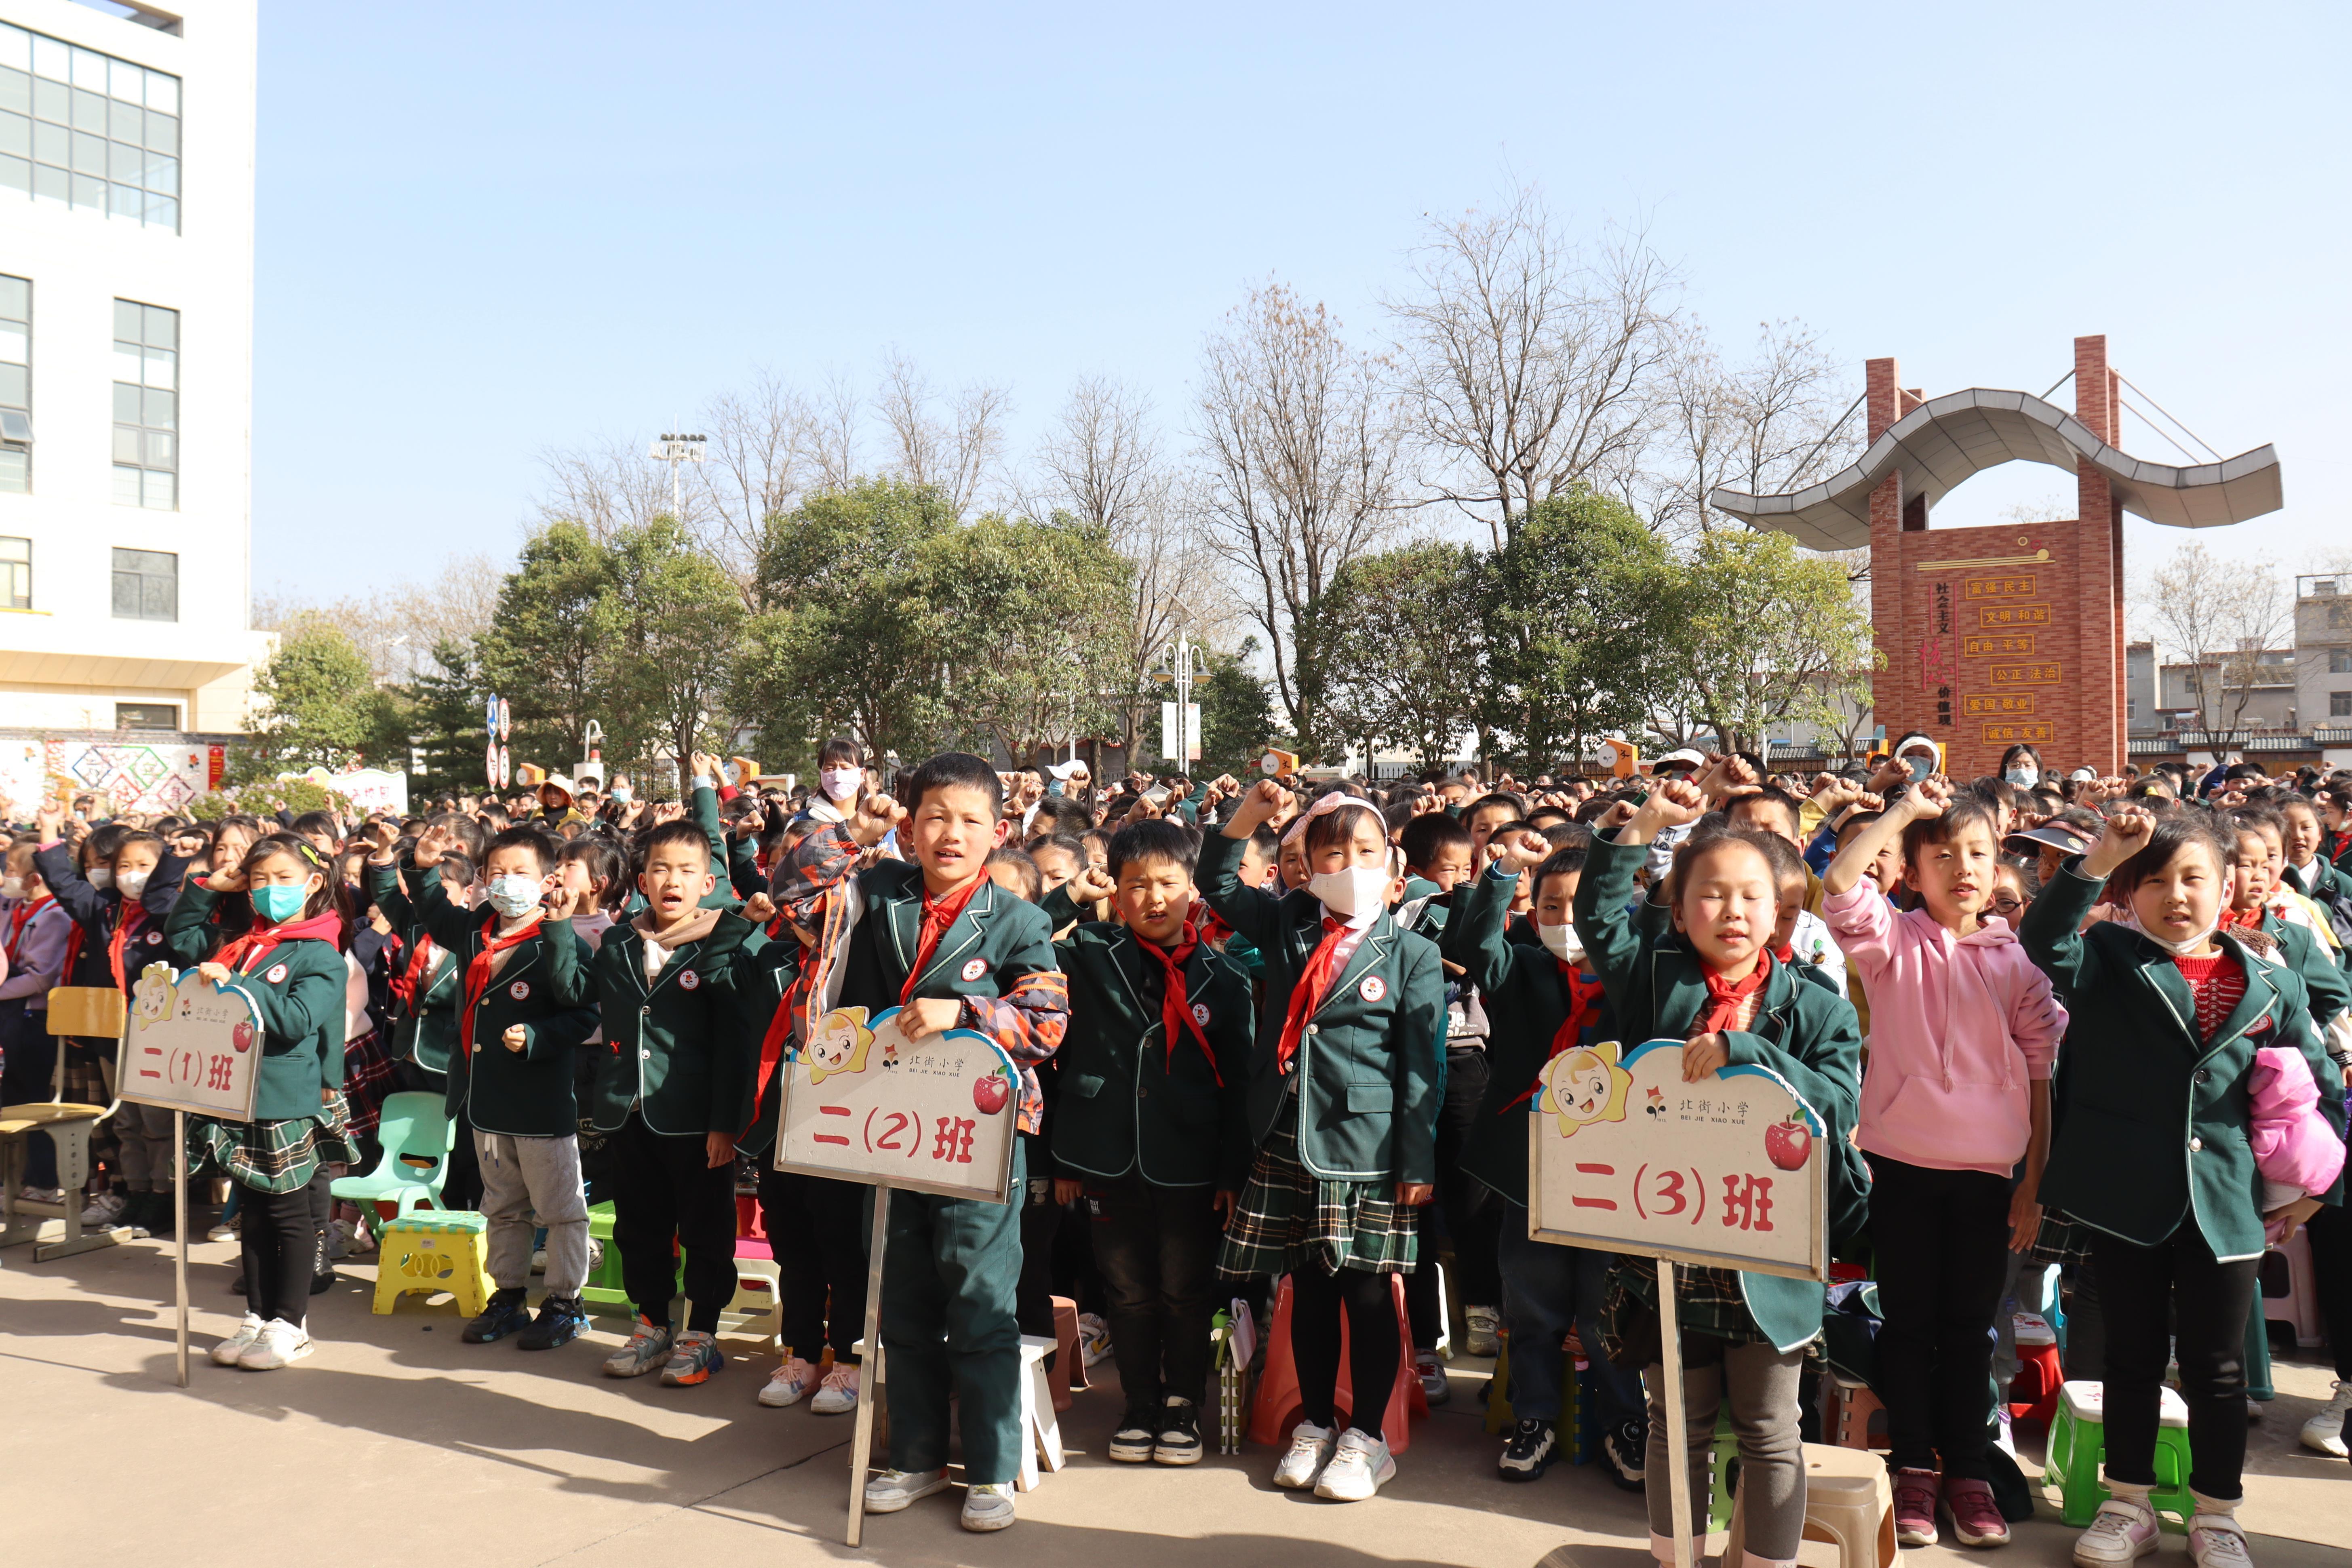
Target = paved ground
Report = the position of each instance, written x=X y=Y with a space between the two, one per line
x=396 y=1445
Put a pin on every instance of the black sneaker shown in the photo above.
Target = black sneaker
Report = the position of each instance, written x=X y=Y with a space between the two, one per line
x=1179 y=1442
x=1626 y=1446
x=322 y=1283
x=559 y=1321
x=1529 y=1453
x=158 y=1215
x=1139 y=1429
x=508 y=1313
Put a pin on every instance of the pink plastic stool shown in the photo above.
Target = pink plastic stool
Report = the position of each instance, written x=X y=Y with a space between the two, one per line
x=1277 y=1408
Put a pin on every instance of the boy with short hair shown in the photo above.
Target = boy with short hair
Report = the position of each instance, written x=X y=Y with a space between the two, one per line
x=943 y=943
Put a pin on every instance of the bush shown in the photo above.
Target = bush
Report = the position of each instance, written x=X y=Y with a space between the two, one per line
x=269 y=797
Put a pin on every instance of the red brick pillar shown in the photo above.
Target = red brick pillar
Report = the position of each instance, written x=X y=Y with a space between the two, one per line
x=1894 y=689
x=2100 y=594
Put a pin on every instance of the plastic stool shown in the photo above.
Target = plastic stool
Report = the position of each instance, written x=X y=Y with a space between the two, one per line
x=1041 y=1425
x=1069 y=1356
x=2299 y=1305
x=1577 y=1431
x=2078 y=1440
x=1275 y=1411
x=435 y=1250
x=2034 y=1392
x=605 y=1287
x=759 y=1293
x=1849 y=1413
x=1849 y=1502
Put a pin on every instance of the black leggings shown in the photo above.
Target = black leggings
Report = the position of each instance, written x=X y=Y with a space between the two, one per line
x=2209 y=1302
x=1372 y=1348
x=280 y=1243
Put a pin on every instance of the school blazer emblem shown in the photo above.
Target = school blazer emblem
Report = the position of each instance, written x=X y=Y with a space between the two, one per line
x=519 y=990
x=975 y=969
x=1374 y=988
x=687 y=980
x=1201 y=1013
x=275 y=974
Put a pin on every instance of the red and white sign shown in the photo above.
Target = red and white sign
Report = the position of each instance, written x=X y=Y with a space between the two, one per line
x=188 y=1047
x=864 y=1103
x=1729 y=1172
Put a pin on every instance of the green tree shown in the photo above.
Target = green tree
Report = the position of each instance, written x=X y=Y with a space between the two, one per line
x=547 y=646
x=671 y=616
x=447 y=726
x=1236 y=712
x=319 y=705
x=1759 y=636
x=1405 y=655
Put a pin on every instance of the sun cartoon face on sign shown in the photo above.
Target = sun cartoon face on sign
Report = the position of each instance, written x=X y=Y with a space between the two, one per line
x=1586 y=1085
x=839 y=1044
x=151 y=995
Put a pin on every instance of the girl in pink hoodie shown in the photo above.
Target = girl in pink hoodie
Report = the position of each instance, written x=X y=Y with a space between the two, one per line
x=1963 y=1029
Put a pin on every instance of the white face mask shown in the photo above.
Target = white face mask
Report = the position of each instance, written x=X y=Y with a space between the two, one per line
x=12 y=886
x=1355 y=895
x=2022 y=776
x=131 y=884
x=2176 y=949
x=623 y=794
x=514 y=897
x=841 y=783
x=99 y=877
x=1560 y=942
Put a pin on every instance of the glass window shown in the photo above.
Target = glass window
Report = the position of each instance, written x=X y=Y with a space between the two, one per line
x=146 y=715
x=146 y=407
x=16 y=389
x=2339 y=705
x=2339 y=661
x=82 y=127
x=15 y=573
x=146 y=586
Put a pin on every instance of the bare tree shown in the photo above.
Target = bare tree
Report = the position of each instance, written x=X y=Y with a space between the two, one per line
x=607 y=485
x=1778 y=421
x=756 y=467
x=1302 y=441
x=835 y=417
x=954 y=453
x=2219 y=617
x=1528 y=363
x=398 y=625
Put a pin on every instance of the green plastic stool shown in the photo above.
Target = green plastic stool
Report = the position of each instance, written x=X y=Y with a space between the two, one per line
x=2078 y=1440
x=603 y=1288
x=1719 y=1480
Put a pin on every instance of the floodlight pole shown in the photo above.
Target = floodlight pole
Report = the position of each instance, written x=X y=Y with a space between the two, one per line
x=675 y=449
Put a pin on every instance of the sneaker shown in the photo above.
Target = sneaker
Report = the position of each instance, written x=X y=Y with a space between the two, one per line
x=1094 y=1338
x=1433 y=1385
x=279 y=1343
x=1533 y=1447
x=887 y=1491
x=1310 y=1448
x=559 y=1321
x=1481 y=1331
x=508 y=1313
x=539 y=1260
x=595 y=1256
x=2215 y=1540
x=692 y=1359
x=159 y=1217
x=1916 y=1494
x=106 y=1210
x=1975 y=1518
x=222 y=1231
x=30 y=1194
x=340 y=1240
x=1132 y=1443
x=322 y=1283
x=987 y=1506
x=2121 y=1531
x=1179 y=1442
x=647 y=1349
x=228 y=1352
x=837 y=1395
x=1360 y=1467
x=2325 y=1431
x=788 y=1384
x=1626 y=1447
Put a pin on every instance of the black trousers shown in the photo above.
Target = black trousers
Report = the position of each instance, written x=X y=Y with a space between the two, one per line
x=818 y=1236
x=667 y=1198
x=1317 y=1299
x=278 y=1235
x=2174 y=1297
x=1157 y=1248
x=1466 y=1212
x=28 y=1065
x=1942 y=1241
x=2331 y=1274
x=1041 y=1225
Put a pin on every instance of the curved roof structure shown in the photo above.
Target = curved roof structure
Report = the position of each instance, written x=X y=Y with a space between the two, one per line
x=1945 y=440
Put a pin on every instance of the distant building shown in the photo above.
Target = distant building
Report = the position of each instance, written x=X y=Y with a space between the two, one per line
x=2139 y=689
x=2189 y=695
x=2323 y=649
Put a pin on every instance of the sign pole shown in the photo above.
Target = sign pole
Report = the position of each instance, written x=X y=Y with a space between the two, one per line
x=180 y=1230
x=861 y=1449
x=1670 y=1362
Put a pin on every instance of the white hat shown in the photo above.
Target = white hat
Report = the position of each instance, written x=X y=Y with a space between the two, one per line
x=1690 y=755
x=2083 y=776
x=1067 y=771
x=557 y=780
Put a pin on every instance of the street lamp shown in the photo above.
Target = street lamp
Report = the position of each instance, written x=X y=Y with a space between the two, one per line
x=1182 y=663
x=674 y=450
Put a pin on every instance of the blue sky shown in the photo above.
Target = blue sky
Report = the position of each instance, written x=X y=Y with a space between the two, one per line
x=485 y=231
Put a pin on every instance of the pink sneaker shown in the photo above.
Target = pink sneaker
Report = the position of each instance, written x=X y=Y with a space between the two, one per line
x=2121 y=1533
x=1975 y=1518
x=1914 y=1508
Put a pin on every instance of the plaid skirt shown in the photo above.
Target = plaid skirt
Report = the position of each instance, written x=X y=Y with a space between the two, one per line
x=1286 y=1219
x=368 y=1071
x=272 y=1156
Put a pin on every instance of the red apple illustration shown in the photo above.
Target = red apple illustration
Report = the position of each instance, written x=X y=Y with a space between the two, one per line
x=1787 y=1144
x=990 y=1093
x=241 y=1036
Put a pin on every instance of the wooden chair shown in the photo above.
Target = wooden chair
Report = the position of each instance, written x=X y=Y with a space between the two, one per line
x=90 y=1012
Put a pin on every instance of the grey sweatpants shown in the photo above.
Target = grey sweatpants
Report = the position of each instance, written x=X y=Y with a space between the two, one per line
x=1762 y=1385
x=523 y=1176
x=144 y=1132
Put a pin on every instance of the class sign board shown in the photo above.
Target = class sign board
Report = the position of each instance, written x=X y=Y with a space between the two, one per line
x=864 y=1103
x=1730 y=1171
x=189 y=1047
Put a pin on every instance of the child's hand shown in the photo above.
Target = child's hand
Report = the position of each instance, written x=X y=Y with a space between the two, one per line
x=2025 y=1218
x=1067 y=1189
x=1518 y=849
x=516 y=1037
x=927 y=1016
x=760 y=908
x=227 y=877
x=2127 y=833
x=1619 y=814
x=2288 y=1218
x=1415 y=1194
x=216 y=973
x=1704 y=1056
x=431 y=845
x=1676 y=803
x=49 y=820
x=1264 y=799
x=872 y=821
x=1091 y=885
x=380 y=837
x=718 y=1149
x=1928 y=798
x=706 y=767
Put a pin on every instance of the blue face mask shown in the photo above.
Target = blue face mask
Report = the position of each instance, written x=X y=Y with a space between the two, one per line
x=279 y=902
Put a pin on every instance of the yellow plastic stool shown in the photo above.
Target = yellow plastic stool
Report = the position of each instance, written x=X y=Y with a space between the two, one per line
x=1849 y=1503
x=432 y=1251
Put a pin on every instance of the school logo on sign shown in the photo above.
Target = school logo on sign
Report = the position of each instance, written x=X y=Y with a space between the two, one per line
x=975 y=969
x=519 y=990
x=689 y=981
x=1374 y=988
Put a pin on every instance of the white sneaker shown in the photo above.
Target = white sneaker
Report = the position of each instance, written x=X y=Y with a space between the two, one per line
x=1310 y=1448
x=990 y=1507
x=224 y=1231
x=2325 y=1431
x=788 y=1384
x=1360 y=1467
x=1479 y=1335
x=1094 y=1338
x=229 y=1350
x=279 y=1343
x=1432 y=1372
x=539 y=1260
x=104 y=1209
x=887 y=1491
x=837 y=1395
x=2120 y=1532
x=2215 y=1540
x=30 y=1193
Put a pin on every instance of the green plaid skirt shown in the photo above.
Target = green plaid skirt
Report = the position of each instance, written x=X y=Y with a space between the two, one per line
x=272 y=1156
x=1286 y=1219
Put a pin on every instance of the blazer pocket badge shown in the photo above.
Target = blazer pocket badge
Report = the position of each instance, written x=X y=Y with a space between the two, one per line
x=975 y=969
x=519 y=990
x=275 y=974
x=688 y=980
x=1374 y=988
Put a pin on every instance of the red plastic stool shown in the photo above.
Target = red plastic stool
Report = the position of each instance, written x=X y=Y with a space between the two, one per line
x=2034 y=1392
x=1277 y=1408
x=1069 y=1369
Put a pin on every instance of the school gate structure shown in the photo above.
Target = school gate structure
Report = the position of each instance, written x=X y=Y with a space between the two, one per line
x=1993 y=636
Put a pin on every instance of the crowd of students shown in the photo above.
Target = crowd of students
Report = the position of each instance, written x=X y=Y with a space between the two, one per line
x=1290 y=1032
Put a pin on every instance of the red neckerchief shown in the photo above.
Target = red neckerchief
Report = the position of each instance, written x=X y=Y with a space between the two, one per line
x=1175 y=1008
x=1584 y=994
x=1215 y=931
x=1725 y=998
x=937 y=915
x=251 y=948
x=413 y=975
x=2242 y=919
x=134 y=916
x=22 y=915
x=478 y=972
x=1786 y=953
x=1308 y=994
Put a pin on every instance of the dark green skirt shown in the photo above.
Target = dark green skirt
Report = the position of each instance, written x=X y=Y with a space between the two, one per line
x=1287 y=1219
x=272 y=1156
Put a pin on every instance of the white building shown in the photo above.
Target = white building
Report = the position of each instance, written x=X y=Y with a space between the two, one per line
x=126 y=369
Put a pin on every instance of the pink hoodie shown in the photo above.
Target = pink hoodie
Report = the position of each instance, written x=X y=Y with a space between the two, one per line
x=2294 y=1148
x=1958 y=1026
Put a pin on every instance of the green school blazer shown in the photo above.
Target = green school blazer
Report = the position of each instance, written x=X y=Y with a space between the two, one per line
x=674 y=1047
x=735 y=861
x=1806 y=1033
x=765 y=969
x=2149 y=1122
x=543 y=986
x=2313 y=959
x=1129 y=1104
x=994 y=943
x=297 y=987
x=1371 y=1060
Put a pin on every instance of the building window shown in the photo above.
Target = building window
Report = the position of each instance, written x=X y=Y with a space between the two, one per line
x=146 y=406
x=146 y=586
x=2339 y=661
x=2339 y=705
x=16 y=384
x=15 y=573
x=146 y=715
x=84 y=130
